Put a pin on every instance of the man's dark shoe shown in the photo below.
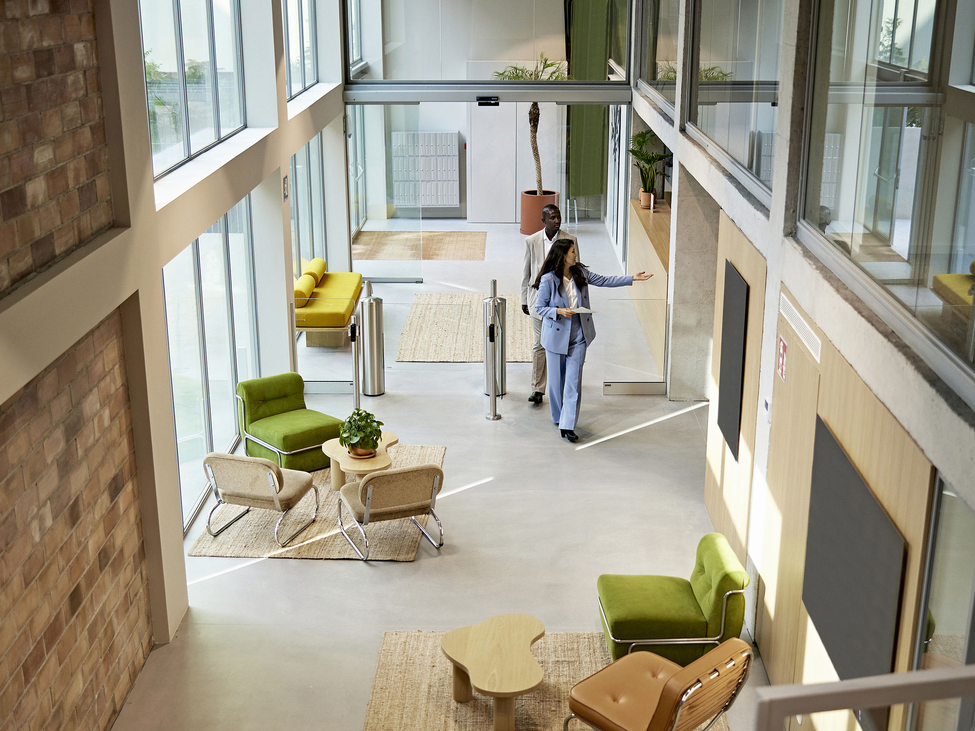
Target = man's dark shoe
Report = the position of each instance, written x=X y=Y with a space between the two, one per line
x=536 y=397
x=570 y=435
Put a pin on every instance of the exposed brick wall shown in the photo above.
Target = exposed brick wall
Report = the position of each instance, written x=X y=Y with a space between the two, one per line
x=74 y=598
x=54 y=187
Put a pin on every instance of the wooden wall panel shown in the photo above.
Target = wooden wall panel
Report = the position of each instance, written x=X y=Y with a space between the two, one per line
x=787 y=488
x=727 y=482
x=648 y=250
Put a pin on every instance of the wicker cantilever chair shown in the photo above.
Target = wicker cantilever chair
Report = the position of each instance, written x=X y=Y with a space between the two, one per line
x=645 y=692
x=399 y=493
x=256 y=483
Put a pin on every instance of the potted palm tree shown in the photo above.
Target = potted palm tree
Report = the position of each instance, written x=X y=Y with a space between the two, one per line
x=533 y=201
x=646 y=160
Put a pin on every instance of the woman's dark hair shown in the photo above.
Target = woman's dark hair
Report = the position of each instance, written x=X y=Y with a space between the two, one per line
x=555 y=262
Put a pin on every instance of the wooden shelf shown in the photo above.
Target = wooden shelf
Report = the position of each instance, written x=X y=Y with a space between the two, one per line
x=656 y=223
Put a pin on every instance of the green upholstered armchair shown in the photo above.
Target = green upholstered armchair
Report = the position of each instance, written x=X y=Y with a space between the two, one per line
x=678 y=619
x=275 y=424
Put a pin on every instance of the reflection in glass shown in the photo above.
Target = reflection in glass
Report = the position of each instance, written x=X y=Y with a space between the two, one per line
x=947 y=617
x=163 y=90
x=227 y=50
x=293 y=43
x=308 y=42
x=307 y=204
x=186 y=371
x=243 y=291
x=471 y=41
x=198 y=71
x=218 y=336
x=658 y=65
x=737 y=85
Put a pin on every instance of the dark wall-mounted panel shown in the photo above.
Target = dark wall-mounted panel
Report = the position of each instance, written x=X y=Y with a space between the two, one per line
x=854 y=565
x=734 y=326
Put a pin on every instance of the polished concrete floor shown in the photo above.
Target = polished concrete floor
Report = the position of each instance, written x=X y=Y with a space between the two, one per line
x=530 y=522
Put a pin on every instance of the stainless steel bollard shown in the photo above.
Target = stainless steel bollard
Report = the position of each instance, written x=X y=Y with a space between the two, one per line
x=354 y=335
x=494 y=314
x=373 y=341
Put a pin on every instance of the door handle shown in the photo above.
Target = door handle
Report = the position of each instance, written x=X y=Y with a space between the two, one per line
x=876 y=174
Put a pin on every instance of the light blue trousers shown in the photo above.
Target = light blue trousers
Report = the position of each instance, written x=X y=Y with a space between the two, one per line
x=565 y=378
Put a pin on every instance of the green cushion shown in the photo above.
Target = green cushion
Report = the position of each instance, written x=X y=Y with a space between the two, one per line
x=313 y=459
x=716 y=572
x=270 y=395
x=642 y=607
x=296 y=429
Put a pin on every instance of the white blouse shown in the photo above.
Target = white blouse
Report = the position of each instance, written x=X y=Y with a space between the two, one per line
x=571 y=294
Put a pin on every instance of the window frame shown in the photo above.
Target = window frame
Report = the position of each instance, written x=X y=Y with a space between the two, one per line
x=181 y=81
x=311 y=7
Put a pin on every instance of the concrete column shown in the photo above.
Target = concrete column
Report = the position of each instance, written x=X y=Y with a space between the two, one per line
x=693 y=258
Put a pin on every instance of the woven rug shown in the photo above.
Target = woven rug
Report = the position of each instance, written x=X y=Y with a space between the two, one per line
x=410 y=245
x=413 y=688
x=253 y=536
x=449 y=328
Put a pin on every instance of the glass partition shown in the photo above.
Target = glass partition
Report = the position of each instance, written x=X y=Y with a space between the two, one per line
x=737 y=79
x=632 y=340
x=658 y=52
x=307 y=205
x=411 y=40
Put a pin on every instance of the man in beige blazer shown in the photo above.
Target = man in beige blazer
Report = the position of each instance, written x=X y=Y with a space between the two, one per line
x=536 y=249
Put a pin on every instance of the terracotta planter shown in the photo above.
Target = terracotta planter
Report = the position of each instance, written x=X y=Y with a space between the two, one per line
x=360 y=453
x=531 y=209
x=646 y=199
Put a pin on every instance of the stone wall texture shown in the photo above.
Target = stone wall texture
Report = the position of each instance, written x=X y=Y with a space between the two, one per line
x=74 y=597
x=54 y=186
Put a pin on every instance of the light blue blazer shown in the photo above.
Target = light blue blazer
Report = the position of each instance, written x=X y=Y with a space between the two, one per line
x=551 y=295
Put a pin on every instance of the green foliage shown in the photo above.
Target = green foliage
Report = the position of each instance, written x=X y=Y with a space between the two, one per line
x=153 y=72
x=646 y=159
x=668 y=72
x=887 y=49
x=361 y=430
x=195 y=71
x=545 y=69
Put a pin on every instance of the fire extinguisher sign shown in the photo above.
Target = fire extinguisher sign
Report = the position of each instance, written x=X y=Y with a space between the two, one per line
x=780 y=360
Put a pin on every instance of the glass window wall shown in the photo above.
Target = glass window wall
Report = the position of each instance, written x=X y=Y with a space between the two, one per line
x=307 y=204
x=211 y=328
x=300 y=45
x=194 y=77
x=889 y=174
x=737 y=79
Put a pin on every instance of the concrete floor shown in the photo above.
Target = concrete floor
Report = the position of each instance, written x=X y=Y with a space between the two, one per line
x=530 y=522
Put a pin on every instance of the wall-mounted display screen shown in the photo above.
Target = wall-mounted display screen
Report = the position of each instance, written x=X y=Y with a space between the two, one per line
x=854 y=567
x=734 y=325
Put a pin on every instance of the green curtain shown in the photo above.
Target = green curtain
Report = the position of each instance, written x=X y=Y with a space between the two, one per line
x=587 y=45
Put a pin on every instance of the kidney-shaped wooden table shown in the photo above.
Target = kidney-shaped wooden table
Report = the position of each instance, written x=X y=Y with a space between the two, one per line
x=341 y=461
x=495 y=658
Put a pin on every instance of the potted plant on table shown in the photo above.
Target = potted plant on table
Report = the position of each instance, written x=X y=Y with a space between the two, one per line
x=645 y=159
x=533 y=201
x=361 y=433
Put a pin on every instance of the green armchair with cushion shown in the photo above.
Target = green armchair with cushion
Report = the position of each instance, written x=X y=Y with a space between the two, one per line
x=275 y=424
x=678 y=619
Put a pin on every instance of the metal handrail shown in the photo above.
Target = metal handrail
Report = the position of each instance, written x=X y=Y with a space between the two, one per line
x=778 y=702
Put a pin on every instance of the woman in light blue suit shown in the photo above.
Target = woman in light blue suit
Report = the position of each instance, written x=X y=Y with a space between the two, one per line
x=563 y=285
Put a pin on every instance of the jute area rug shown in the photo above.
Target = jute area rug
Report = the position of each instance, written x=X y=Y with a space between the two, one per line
x=413 y=245
x=449 y=328
x=253 y=535
x=412 y=690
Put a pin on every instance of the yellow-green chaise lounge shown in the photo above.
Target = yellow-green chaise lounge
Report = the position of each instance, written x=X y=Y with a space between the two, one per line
x=275 y=424
x=678 y=619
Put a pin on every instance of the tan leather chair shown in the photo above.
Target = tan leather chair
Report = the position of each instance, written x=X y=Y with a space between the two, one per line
x=399 y=493
x=645 y=692
x=256 y=483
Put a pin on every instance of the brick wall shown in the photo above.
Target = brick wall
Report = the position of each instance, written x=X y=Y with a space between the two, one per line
x=54 y=188
x=74 y=599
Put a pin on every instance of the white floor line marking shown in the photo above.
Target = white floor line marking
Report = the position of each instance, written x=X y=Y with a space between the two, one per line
x=645 y=424
x=332 y=532
x=465 y=487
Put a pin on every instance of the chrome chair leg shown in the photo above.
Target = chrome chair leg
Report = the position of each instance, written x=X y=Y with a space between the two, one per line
x=228 y=524
x=284 y=515
x=427 y=535
x=565 y=724
x=360 y=554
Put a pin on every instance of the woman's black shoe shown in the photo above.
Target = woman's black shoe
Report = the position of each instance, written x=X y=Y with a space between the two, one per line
x=570 y=435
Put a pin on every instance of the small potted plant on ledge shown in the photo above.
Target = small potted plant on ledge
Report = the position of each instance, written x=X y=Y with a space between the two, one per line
x=646 y=160
x=360 y=434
